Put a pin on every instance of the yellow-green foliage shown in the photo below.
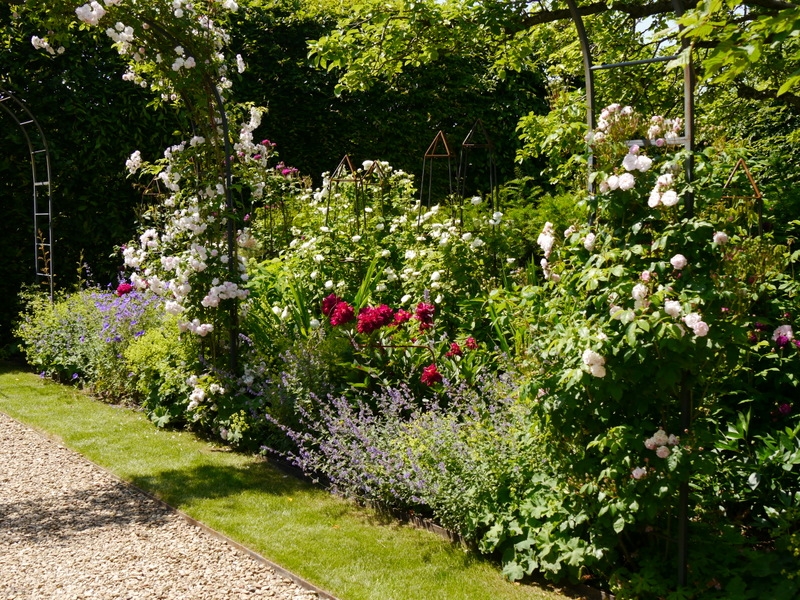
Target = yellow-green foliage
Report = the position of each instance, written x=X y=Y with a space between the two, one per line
x=162 y=360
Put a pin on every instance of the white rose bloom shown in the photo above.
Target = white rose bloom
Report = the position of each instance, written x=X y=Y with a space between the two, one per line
x=672 y=308
x=678 y=261
x=643 y=163
x=626 y=182
x=665 y=180
x=692 y=319
x=669 y=198
x=629 y=162
x=597 y=370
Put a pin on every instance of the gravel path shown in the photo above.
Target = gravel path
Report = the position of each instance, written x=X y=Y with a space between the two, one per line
x=69 y=530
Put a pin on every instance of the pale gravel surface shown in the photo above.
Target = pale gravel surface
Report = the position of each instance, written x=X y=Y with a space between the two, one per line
x=69 y=530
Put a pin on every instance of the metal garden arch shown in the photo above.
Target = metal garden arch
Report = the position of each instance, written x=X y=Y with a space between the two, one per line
x=42 y=184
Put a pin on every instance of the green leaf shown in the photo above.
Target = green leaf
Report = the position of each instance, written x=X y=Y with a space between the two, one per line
x=619 y=525
x=630 y=334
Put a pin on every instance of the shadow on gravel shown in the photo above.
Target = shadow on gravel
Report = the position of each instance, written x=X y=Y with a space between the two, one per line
x=50 y=516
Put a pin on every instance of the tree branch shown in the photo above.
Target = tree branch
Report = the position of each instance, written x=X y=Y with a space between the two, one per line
x=636 y=10
x=751 y=93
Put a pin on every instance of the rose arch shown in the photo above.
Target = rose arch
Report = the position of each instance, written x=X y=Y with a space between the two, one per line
x=41 y=180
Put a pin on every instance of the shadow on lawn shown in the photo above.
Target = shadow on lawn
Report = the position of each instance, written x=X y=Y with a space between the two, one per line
x=180 y=487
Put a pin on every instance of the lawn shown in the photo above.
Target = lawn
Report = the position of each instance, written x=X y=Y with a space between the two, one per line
x=352 y=552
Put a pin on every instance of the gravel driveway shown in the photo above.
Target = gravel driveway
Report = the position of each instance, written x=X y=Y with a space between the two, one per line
x=68 y=529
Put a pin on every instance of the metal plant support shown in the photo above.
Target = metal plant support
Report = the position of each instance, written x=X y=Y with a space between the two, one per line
x=688 y=143
x=478 y=139
x=439 y=148
x=42 y=186
x=345 y=172
x=750 y=201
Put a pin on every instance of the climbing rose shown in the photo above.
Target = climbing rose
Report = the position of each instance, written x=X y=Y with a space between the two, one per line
x=638 y=472
x=662 y=452
x=629 y=162
x=431 y=375
x=720 y=237
x=672 y=308
x=678 y=261
x=626 y=182
x=588 y=241
x=595 y=363
x=669 y=198
x=643 y=163
x=546 y=239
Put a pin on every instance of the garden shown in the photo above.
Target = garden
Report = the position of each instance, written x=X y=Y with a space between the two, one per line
x=592 y=384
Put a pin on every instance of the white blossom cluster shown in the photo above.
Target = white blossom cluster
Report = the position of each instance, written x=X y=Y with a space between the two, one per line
x=199 y=396
x=694 y=321
x=122 y=35
x=595 y=362
x=92 y=13
x=612 y=117
x=43 y=44
x=224 y=291
x=245 y=143
x=664 y=130
x=545 y=241
x=182 y=61
x=134 y=162
x=633 y=161
x=661 y=442
x=639 y=294
x=662 y=192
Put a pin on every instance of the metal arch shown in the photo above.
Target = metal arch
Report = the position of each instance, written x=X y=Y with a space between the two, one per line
x=688 y=143
x=42 y=215
x=688 y=93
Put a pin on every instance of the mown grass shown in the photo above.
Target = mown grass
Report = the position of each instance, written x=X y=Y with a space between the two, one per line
x=352 y=552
